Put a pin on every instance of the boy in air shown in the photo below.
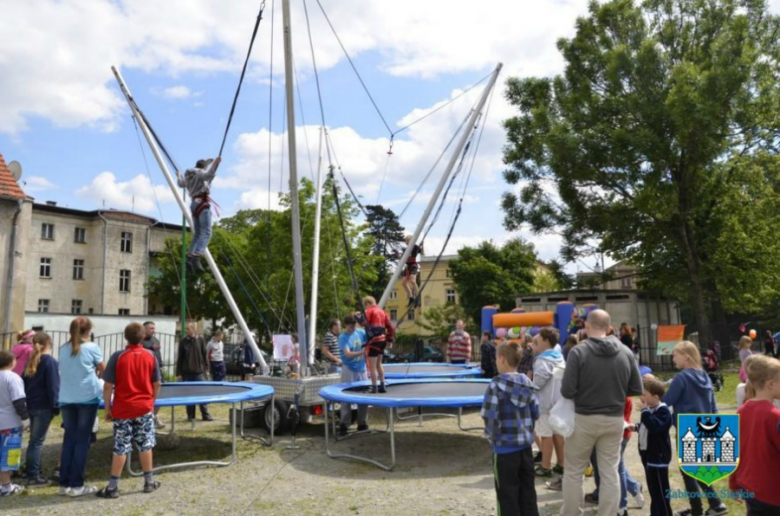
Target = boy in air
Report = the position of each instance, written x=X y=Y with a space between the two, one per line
x=13 y=419
x=509 y=410
x=380 y=333
x=411 y=269
x=655 y=446
x=197 y=181
x=134 y=377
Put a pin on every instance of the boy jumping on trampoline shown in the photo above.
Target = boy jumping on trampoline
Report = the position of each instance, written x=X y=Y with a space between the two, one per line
x=134 y=377
x=509 y=410
x=197 y=181
x=411 y=269
x=380 y=333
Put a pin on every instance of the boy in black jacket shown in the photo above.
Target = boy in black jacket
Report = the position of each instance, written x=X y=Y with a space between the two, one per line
x=655 y=446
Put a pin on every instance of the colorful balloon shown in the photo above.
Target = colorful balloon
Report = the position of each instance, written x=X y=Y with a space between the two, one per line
x=513 y=333
x=753 y=334
x=500 y=333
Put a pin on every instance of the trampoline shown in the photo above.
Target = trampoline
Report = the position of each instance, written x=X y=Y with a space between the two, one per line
x=202 y=393
x=430 y=370
x=440 y=393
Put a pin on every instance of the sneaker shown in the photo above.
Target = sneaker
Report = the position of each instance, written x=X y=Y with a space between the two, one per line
x=75 y=492
x=558 y=470
x=207 y=417
x=343 y=430
x=622 y=512
x=543 y=472
x=55 y=475
x=555 y=485
x=38 y=482
x=191 y=420
x=373 y=389
x=362 y=428
x=198 y=266
x=108 y=493
x=592 y=498
x=684 y=512
x=717 y=511
x=64 y=491
x=382 y=389
x=158 y=424
x=538 y=457
x=151 y=486
x=639 y=499
x=12 y=490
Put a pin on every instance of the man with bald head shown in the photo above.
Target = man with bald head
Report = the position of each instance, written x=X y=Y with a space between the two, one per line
x=600 y=374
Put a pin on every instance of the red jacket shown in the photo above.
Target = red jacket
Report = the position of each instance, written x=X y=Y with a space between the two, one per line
x=378 y=326
x=759 y=452
x=627 y=416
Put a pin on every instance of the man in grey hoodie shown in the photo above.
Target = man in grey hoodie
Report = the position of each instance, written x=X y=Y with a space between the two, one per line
x=600 y=374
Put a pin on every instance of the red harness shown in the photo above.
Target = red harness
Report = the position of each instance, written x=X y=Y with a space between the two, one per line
x=206 y=202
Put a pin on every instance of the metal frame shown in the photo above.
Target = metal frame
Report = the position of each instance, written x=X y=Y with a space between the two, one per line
x=219 y=464
x=420 y=415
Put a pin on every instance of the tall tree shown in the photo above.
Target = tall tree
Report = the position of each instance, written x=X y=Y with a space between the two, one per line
x=492 y=275
x=388 y=242
x=440 y=320
x=633 y=144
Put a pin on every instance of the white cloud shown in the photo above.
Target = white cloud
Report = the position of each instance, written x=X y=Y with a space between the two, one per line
x=179 y=92
x=137 y=194
x=34 y=184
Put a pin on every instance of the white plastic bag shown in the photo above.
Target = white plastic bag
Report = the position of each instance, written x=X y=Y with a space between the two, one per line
x=562 y=417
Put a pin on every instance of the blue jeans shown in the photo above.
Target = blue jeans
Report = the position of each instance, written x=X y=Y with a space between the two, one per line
x=627 y=484
x=39 y=426
x=218 y=371
x=78 y=420
x=201 y=232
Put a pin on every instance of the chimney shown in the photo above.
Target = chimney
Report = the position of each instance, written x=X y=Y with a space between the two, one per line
x=51 y=203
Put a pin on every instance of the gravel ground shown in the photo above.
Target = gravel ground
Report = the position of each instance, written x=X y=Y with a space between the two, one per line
x=440 y=471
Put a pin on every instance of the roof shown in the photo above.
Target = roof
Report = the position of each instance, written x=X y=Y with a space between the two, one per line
x=109 y=214
x=9 y=188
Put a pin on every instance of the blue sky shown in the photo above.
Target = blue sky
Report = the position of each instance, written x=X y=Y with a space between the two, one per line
x=65 y=121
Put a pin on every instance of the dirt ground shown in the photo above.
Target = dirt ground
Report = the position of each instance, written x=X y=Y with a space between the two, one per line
x=440 y=471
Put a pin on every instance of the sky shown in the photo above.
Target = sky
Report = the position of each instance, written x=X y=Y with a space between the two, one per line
x=65 y=120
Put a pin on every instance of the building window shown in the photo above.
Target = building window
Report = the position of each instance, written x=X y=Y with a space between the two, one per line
x=45 y=268
x=47 y=231
x=127 y=242
x=449 y=273
x=124 y=280
x=625 y=282
x=91 y=311
x=78 y=269
x=80 y=237
x=394 y=294
x=410 y=315
x=393 y=315
x=43 y=306
x=450 y=295
x=75 y=306
x=124 y=311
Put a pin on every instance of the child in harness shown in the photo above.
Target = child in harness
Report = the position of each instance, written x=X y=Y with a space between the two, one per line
x=197 y=181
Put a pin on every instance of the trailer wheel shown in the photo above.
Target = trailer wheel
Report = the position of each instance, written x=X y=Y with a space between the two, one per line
x=276 y=414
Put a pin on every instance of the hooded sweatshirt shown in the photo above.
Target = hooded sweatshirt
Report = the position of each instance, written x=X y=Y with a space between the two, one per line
x=600 y=374
x=691 y=392
x=509 y=409
x=549 y=386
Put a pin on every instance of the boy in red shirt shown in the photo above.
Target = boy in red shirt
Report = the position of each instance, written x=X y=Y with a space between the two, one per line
x=134 y=377
x=759 y=454
x=380 y=333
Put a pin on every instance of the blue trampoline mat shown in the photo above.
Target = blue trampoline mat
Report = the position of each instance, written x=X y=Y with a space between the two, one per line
x=197 y=393
x=430 y=370
x=454 y=393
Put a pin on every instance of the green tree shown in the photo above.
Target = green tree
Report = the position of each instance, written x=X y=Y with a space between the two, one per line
x=440 y=320
x=634 y=145
x=388 y=242
x=492 y=275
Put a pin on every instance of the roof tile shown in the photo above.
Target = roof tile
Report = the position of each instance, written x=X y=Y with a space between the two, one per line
x=8 y=185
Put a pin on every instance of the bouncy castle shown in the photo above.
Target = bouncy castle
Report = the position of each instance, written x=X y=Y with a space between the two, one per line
x=519 y=322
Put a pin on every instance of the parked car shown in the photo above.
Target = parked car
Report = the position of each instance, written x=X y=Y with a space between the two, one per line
x=392 y=357
x=430 y=354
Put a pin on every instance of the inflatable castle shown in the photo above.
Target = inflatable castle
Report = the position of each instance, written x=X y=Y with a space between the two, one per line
x=518 y=322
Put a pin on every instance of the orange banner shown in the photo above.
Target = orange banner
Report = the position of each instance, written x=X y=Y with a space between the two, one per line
x=668 y=337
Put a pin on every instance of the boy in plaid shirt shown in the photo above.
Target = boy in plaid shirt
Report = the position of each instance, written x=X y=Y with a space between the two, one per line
x=509 y=410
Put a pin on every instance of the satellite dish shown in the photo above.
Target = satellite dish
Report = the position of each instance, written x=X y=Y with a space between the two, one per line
x=16 y=169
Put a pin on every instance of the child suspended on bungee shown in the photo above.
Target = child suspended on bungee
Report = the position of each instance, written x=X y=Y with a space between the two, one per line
x=411 y=269
x=197 y=181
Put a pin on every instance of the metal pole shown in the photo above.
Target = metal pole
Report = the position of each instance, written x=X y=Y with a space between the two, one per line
x=183 y=276
x=188 y=217
x=294 y=201
x=315 y=273
x=442 y=182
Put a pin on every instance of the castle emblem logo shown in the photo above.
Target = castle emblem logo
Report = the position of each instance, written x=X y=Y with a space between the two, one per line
x=708 y=445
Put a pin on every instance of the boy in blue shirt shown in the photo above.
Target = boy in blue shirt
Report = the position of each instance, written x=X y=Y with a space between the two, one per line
x=509 y=410
x=353 y=369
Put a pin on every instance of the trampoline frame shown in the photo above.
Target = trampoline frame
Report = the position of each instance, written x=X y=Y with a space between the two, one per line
x=235 y=423
x=457 y=371
x=390 y=412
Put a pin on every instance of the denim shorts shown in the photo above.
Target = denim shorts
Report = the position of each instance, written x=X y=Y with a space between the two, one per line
x=11 y=449
x=138 y=431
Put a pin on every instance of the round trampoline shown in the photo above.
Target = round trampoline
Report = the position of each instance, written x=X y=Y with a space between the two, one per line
x=204 y=393
x=430 y=370
x=441 y=392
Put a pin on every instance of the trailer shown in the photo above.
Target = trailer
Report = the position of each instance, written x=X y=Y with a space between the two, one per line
x=289 y=392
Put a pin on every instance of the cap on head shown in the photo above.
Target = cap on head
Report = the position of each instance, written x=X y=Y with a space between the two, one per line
x=203 y=163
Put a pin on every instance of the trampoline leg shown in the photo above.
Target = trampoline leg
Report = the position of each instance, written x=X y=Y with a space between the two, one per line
x=356 y=457
x=263 y=441
x=460 y=423
x=392 y=438
x=419 y=416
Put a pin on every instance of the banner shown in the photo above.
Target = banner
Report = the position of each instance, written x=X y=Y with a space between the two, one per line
x=668 y=337
x=283 y=347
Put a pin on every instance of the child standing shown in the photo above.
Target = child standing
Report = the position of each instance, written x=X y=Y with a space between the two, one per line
x=509 y=410
x=759 y=460
x=197 y=181
x=215 y=355
x=351 y=342
x=13 y=419
x=22 y=350
x=655 y=446
x=42 y=385
x=380 y=333
x=134 y=377
x=546 y=362
x=487 y=353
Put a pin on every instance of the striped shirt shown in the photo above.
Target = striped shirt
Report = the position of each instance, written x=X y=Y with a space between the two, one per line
x=331 y=343
x=459 y=347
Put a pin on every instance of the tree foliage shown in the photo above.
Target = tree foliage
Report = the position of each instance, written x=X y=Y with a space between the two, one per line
x=440 y=320
x=493 y=275
x=388 y=242
x=643 y=144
